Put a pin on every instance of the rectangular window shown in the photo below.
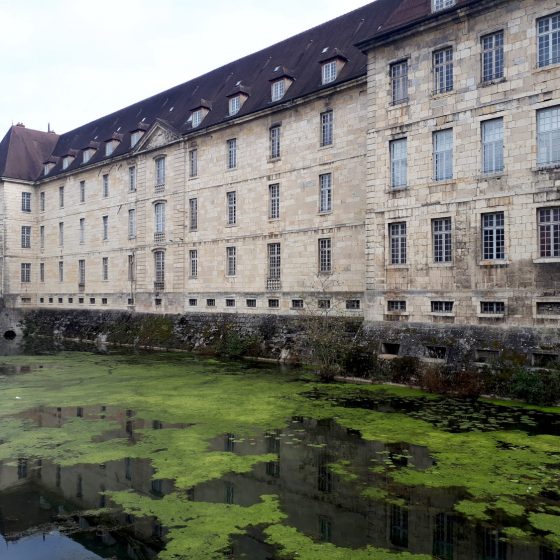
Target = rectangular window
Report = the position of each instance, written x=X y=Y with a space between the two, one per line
x=132 y=223
x=159 y=267
x=548 y=136
x=493 y=236
x=399 y=163
x=61 y=271
x=210 y=302
x=443 y=155
x=26 y=237
x=26 y=202
x=251 y=302
x=41 y=201
x=493 y=56
x=232 y=153
x=274 y=303
x=397 y=240
x=193 y=163
x=61 y=234
x=105 y=186
x=443 y=70
x=441 y=237
x=274 y=201
x=132 y=179
x=324 y=303
x=105 y=268
x=193 y=214
x=193 y=259
x=274 y=142
x=297 y=304
x=159 y=218
x=325 y=192
x=61 y=197
x=131 y=268
x=82 y=191
x=399 y=81
x=42 y=237
x=160 y=171
x=81 y=272
x=352 y=304
x=231 y=200
x=231 y=261
x=327 y=123
x=230 y=302
x=492 y=307
x=549 y=232
x=493 y=146
x=328 y=72
x=26 y=272
x=193 y=302
x=105 y=234
x=196 y=118
x=234 y=105
x=442 y=306
x=274 y=261
x=277 y=90
x=41 y=272
x=442 y=4
x=548 y=32
x=396 y=306
x=325 y=255
x=82 y=230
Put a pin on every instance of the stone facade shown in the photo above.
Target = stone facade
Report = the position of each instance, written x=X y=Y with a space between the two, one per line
x=442 y=208
x=434 y=284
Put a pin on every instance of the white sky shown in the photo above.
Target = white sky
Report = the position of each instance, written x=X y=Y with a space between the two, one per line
x=68 y=62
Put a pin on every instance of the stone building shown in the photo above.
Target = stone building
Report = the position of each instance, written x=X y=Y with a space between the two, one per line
x=399 y=162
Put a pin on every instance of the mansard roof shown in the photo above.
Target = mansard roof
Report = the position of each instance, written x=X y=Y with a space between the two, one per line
x=23 y=151
x=302 y=54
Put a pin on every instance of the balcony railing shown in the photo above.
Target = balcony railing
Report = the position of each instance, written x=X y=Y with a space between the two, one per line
x=159 y=188
x=159 y=237
x=273 y=284
x=159 y=286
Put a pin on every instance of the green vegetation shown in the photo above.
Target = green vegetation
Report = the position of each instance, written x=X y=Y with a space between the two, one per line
x=494 y=463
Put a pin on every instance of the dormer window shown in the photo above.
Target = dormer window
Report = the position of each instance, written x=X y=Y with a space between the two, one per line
x=47 y=167
x=438 y=5
x=87 y=154
x=196 y=118
x=109 y=147
x=234 y=105
x=135 y=137
x=329 y=72
x=278 y=89
x=66 y=161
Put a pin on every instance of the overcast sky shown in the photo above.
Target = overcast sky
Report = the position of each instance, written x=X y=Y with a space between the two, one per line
x=68 y=62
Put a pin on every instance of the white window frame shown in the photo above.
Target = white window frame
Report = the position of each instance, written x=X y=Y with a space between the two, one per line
x=132 y=223
x=439 y=5
x=82 y=272
x=398 y=151
x=274 y=201
x=193 y=162
x=231 y=208
x=232 y=153
x=548 y=136
x=398 y=72
x=193 y=214
x=26 y=202
x=274 y=261
x=132 y=178
x=443 y=154
x=549 y=232
x=196 y=118
x=25 y=273
x=398 y=243
x=277 y=90
x=492 y=56
x=231 y=261
x=492 y=132
x=548 y=40
x=41 y=272
x=82 y=191
x=159 y=267
x=159 y=217
x=61 y=234
x=274 y=136
x=105 y=228
x=82 y=230
x=234 y=105
x=327 y=128
x=193 y=263
x=325 y=193
x=442 y=240
x=443 y=70
x=26 y=237
x=159 y=164
x=329 y=72
x=493 y=236
x=325 y=255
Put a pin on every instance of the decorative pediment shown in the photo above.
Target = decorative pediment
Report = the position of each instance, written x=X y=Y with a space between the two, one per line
x=158 y=135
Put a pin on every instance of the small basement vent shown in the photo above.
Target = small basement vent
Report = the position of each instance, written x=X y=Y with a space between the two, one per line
x=548 y=308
